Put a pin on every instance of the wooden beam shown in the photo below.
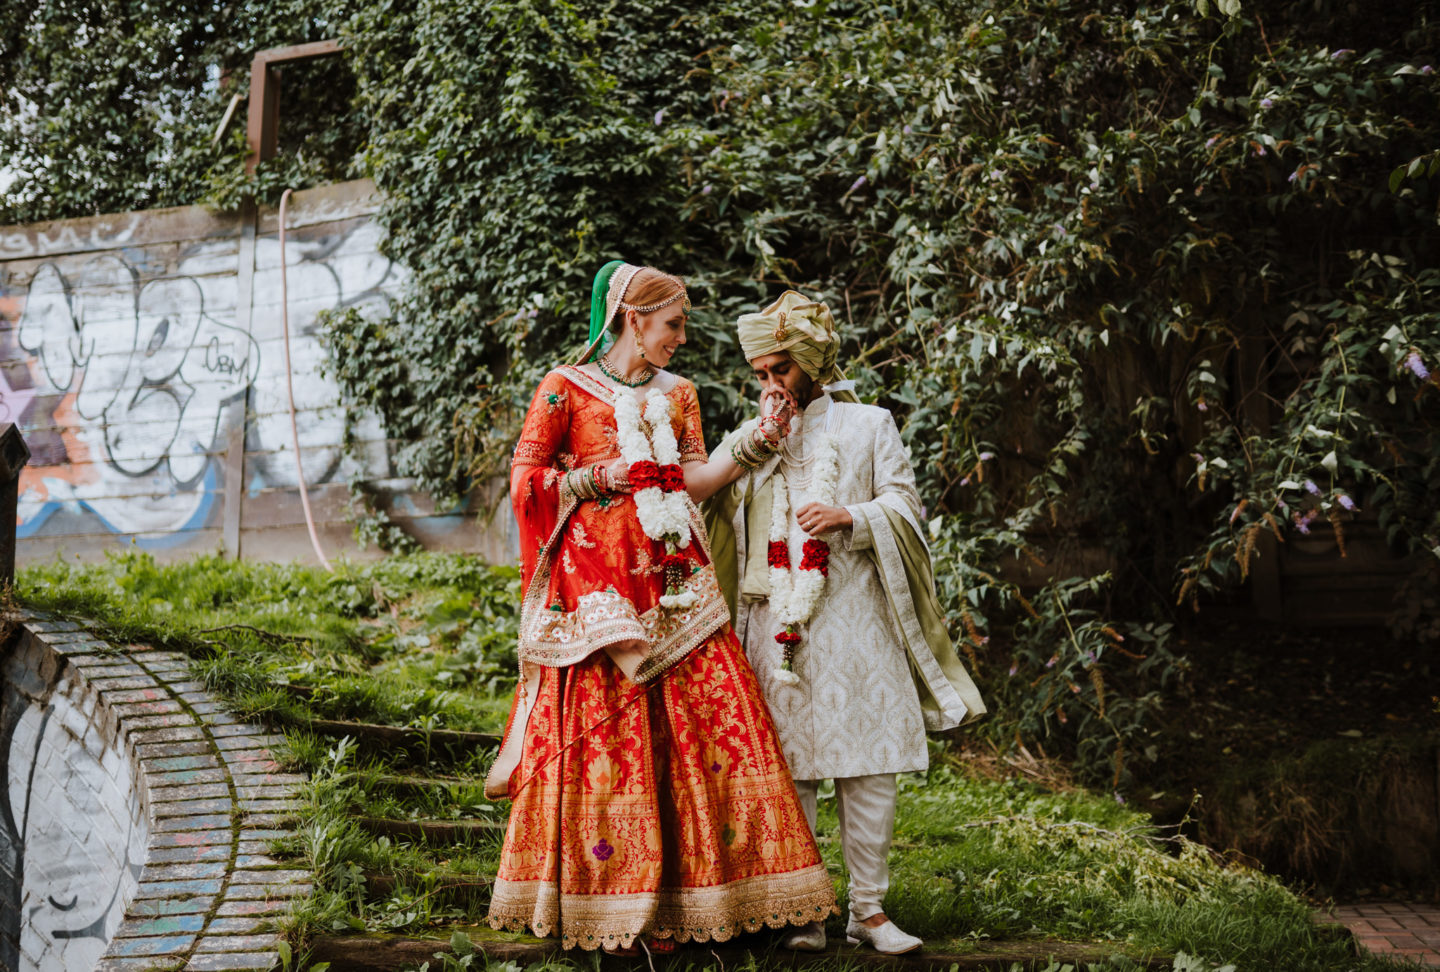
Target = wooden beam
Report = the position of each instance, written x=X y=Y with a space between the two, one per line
x=263 y=128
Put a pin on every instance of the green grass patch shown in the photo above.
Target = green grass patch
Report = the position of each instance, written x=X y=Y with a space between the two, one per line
x=427 y=641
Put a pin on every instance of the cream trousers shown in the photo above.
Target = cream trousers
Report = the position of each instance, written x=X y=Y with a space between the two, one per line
x=866 y=805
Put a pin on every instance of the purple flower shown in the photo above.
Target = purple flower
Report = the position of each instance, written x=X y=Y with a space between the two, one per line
x=986 y=456
x=1202 y=406
x=1209 y=142
x=1014 y=669
x=1060 y=230
x=1417 y=367
x=1311 y=488
x=1427 y=69
x=965 y=481
x=1345 y=501
x=602 y=850
x=1301 y=524
x=1119 y=799
x=1266 y=103
x=660 y=117
x=1293 y=176
x=1052 y=661
x=1341 y=53
x=707 y=190
x=996 y=175
x=858 y=183
x=910 y=131
x=1259 y=150
x=1090 y=656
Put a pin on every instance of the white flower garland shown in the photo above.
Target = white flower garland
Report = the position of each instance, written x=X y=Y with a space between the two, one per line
x=794 y=593
x=663 y=516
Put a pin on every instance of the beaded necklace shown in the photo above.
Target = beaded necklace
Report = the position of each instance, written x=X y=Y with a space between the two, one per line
x=620 y=379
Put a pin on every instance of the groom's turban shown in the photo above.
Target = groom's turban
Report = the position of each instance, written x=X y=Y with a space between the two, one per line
x=798 y=325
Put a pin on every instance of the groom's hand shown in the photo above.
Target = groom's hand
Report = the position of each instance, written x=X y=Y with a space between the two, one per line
x=817 y=518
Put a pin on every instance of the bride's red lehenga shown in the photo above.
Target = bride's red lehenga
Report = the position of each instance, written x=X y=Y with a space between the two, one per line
x=663 y=808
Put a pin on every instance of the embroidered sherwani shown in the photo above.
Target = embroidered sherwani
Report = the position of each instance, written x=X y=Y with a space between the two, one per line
x=658 y=804
x=855 y=711
x=875 y=666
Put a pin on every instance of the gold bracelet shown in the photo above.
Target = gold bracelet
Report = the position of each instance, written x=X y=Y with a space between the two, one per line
x=581 y=483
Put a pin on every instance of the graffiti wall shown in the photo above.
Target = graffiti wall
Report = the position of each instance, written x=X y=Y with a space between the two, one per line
x=144 y=358
x=73 y=825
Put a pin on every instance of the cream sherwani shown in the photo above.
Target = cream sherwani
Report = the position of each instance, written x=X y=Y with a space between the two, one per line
x=855 y=711
x=857 y=714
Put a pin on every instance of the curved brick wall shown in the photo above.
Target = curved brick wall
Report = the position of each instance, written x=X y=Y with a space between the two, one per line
x=136 y=815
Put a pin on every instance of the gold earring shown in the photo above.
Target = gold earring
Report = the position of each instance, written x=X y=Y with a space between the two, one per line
x=640 y=343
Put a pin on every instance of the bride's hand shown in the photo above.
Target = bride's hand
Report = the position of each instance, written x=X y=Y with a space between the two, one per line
x=618 y=472
x=777 y=404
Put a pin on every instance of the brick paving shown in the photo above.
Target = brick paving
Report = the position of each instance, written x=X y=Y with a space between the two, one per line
x=1393 y=928
x=208 y=892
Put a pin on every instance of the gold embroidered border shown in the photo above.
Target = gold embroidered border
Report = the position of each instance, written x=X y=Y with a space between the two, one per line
x=716 y=913
x=677 y=633
x=604 y=618
x=588 y=382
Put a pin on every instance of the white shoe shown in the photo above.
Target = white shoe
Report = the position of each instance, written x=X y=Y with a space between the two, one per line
x=885 y=937
x=805 y=938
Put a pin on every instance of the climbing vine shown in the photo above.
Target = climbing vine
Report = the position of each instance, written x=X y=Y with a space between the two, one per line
x=1137 y=281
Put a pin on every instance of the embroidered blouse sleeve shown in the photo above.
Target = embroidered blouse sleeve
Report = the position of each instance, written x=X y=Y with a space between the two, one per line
x=535 y=473
x=692 y=439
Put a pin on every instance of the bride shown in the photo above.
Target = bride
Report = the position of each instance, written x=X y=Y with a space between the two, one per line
x=649 y=796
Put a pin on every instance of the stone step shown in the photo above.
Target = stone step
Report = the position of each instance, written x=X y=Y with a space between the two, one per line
x=390 y=953
x=449 y=886
x=430 y=831
x=410 y=739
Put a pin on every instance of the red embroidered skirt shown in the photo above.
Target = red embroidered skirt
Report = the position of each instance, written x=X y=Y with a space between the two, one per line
x=664 y=809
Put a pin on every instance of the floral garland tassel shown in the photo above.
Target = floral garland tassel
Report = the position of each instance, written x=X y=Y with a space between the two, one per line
x=658 y=482
x=795 y=594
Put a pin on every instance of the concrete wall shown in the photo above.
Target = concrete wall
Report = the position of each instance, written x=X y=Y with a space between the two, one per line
x=143 y=357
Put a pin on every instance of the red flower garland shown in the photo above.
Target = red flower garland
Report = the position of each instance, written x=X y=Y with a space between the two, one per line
x=816 y=556
x=646 y=474
x=778 y=554
x=788 y=638
x=672 y=478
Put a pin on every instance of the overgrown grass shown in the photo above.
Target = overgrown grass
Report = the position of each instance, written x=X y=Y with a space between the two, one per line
x=427 y=640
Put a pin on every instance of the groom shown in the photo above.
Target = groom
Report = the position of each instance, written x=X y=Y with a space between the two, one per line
x=820 y=550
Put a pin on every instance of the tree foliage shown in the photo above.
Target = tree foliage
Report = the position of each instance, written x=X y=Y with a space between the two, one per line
x=1135 y=279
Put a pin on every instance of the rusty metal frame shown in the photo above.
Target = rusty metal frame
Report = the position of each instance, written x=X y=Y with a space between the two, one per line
x=263 y=129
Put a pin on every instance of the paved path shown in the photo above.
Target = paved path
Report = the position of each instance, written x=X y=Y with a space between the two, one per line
x=1394 y=928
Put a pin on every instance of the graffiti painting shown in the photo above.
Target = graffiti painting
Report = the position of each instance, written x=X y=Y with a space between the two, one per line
x=120 y=366
x=72 y=833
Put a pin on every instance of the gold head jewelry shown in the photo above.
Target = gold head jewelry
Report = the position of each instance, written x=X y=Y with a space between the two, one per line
x=651 y=308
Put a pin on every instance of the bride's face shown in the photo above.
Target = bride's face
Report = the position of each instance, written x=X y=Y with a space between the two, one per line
x=660 y=332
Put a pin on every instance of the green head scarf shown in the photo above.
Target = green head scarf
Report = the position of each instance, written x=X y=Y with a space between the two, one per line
x=605 y=295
